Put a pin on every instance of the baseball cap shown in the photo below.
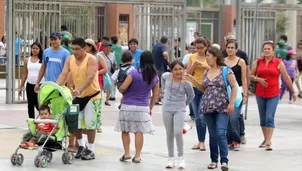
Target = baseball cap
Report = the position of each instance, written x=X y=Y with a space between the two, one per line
x=107 y=44
x=66 y=37
x=281 y=43
x=292 y=52
x=55 y=35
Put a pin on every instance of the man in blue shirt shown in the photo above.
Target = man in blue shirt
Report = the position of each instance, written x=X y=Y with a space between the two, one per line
x=53 y=60
x=19 y=42
x=136 y=53
x=161 y=58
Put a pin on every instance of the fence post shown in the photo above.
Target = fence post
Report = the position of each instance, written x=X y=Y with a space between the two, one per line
x=10 y=53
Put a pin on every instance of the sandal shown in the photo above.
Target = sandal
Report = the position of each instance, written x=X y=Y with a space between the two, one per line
x=99 y=130
x=123 y=158
x=203 y=148
x=136 y=161
x=269 y=147
x=213 y=165
x=107 y=104
x=23 y=145
x=263 y=145
x=195 y=147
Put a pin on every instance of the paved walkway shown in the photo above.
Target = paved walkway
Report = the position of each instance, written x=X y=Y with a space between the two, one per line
x=287 y=154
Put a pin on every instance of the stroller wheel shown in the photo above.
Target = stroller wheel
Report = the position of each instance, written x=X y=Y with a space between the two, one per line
x=20 y=159
x=43 y=161
x=64 y=158
x=37 y=161
x=49 y=156
x=13 y=159
x=70 y=158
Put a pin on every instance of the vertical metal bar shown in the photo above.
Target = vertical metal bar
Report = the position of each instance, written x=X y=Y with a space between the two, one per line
x=238 y=20
x=134 y=21
x=10 y=45
x=184 y=28
x=252 y=49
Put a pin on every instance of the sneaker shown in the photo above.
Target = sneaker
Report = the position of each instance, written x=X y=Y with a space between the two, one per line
x=224 y=167
x=112 y=98
x=236 y=146
x=159 y=103
x=88 y=155
x=243 y=139
x=80 y=152
x=171 y=163
x=181 y=163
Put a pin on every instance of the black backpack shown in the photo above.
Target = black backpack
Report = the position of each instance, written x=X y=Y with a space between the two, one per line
x=122 y=75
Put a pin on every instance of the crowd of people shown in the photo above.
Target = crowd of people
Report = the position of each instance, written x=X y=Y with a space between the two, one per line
x=208 y=80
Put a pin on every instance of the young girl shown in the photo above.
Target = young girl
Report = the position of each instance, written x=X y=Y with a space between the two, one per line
x=31 y=70
x=177 y=95
x=290 y=64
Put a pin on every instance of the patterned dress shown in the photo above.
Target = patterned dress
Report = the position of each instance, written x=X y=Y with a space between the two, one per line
x=215 y=97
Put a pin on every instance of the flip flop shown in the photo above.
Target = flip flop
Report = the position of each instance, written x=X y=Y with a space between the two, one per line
x=123 y=158
x=269 y=147
x=136 y=161
x=213 y=165
x=23 y=145
x=203 y=149
x=195 y=147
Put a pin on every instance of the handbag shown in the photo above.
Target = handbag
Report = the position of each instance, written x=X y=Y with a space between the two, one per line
x=238 y=99
x=107 y=83
x=252 y=85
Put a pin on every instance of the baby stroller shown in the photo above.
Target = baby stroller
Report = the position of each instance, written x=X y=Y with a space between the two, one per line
x=65 y=116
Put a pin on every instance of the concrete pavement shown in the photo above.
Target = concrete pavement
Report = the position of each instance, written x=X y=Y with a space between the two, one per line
x=287 y=154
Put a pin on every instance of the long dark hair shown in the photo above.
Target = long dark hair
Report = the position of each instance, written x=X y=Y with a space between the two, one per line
x=40 y=55
x=147 y=67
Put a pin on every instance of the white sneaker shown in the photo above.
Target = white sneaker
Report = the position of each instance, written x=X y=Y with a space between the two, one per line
x=171 y=163
x=181 y=163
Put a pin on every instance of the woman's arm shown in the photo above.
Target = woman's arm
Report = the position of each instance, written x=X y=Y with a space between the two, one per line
x=24 y=76
x=253 y=71
x=195 y=82
x=190 y=93
x=286 y=77
x=190 y=67
x=126 y=84
x=103 y=66
x=155 y=96
x=243 y=77
x=233 y=84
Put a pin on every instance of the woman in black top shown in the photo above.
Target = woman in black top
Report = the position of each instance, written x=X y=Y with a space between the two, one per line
x=239 y=68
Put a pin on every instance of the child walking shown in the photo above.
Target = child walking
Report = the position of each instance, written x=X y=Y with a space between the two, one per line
x=290 y=63
x=120 y=75
x=177 y=95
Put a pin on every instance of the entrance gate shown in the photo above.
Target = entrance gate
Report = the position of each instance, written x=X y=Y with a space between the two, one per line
x=152 y=21
x=34 y=20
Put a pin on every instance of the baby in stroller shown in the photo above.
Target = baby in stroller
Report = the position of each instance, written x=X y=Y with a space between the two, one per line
x=42 y=130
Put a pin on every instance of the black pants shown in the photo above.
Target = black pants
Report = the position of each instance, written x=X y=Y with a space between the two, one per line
x=32 y=100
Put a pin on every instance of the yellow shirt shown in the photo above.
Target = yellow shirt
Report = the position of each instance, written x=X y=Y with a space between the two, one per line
x=79 y=76
x=198 y=72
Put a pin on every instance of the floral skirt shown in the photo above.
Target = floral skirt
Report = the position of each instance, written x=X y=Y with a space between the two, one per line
x=134 y=119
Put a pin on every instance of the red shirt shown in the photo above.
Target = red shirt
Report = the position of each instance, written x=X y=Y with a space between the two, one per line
x=271 y=73
x=100 y=77
x=100 y=46
x=45 y=127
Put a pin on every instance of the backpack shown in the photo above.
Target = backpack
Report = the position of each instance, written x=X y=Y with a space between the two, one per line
x=122 y=75
x=238 y=99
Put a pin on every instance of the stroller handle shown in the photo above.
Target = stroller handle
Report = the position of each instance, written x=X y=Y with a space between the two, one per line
x=46 y=121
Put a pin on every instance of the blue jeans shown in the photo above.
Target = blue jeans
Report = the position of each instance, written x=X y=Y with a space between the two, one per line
x=267 y=109
x=234 y=126
x=191 y=110
x=242 y=126
x=201 y=125
x=17 y=59
x=217 y=125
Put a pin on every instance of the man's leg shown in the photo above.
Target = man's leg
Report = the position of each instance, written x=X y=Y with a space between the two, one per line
x=92 y=122
x=79 y=137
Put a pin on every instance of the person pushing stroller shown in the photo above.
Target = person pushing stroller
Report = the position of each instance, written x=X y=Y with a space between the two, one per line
x=29 y=140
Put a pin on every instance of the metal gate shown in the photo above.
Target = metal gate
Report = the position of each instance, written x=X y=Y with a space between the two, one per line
x=28 y=21
x=254 y=32
x=86 y=21
x=152 y=21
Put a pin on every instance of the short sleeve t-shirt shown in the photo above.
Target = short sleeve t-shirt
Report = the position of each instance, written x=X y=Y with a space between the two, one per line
x=136 y=58
x=110 y=61
x=241 y=54
x=281 y=53
x=138 y=92
x=54 y=61
x=157 y=52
